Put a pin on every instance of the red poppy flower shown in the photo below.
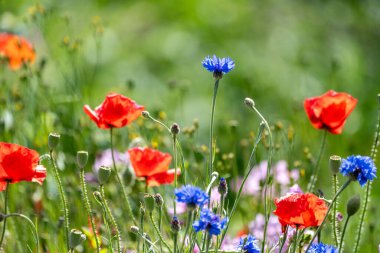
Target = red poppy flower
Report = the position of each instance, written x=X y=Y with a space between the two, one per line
x=18 y=163
x=16 y=49
x=115 y=111
x=166 y=177
x=300 y=209
x=330 y=110
x=147 y=162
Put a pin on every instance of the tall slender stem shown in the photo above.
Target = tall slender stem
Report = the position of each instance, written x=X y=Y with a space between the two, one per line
x=125 y=195
x=211 y=163
x=334 y=219
x=208 y=239
x=343 y=232
x=159 y=224
x=328 y=211
x=295 y=241
x=159 y=233
x=88 y=208
x=63 y=199
x=175 y=172
x=5 y=212
x=188 y=225
x=284 y=238
x=315 y=172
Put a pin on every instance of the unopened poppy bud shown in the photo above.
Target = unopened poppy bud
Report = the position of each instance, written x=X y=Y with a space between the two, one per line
x=335 y=162
x=76 y=238
x=145 y=114
x=149 y=202
x=98 y=196
x=175 y=129
x=104 y=174
x=53 y=140
x=222 y=188
x=249 y=102
x=353 y=205
x=159 y=200
x=135 y=229
x=175 y=225
x=82 y=158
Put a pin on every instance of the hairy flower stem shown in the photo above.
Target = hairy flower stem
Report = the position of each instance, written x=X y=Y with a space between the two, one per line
x=112 y=219
x=175 y=240
x=343 y=232
x=188 y=225
x=315 y=172
x=63 y=198
x=284 y=238
x=121 y=185
x=363 y=212
x=5 y=212
x=88 y=208
x=175 y=172
x=158 y=233
x=160 y=223
x=211 y=163
x=328 y=211
x=142 y=231
x=335 y=211
x=34 y=229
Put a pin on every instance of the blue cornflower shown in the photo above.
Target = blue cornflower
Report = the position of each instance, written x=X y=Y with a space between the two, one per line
x=210 y=222
x=360 y=168
x=249 y=246
x=191 y=195
x=218 y=66
x=322 y=248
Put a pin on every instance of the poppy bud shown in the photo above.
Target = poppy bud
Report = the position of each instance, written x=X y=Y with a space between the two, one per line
x=175 y=225
x=82 y=157
x=76 y=238
x=353 y=205
x=335 y=162
x=135 y=229
x=98 y=197
x=53 y=140
x=159 y=200
x=249 y=102
x=149 y=202
x=222 y=188
x=174 y=129
x=145 y=114
x=104 y=174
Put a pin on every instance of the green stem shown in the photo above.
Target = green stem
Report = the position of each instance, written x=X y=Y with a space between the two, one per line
x=328 y=211
x=175 y=240
x=88 y=208
x=315 y=172
x=334 y=219
x=343 y=232
x=363 y=212
x=5 y=212
x=211 y=163
x=142 y=228
x=175 y=172
x=295 y=241
x=188 y=225
x=284 y=239
x=158 y=233
x=160 y=223
x=111 y=217
x=208 y=242
x=34 y=229
x=63 y=199
x=125 y=195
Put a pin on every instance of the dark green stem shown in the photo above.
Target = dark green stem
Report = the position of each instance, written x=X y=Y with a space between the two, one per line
x=175 y=172
x=211 y=163
x=208 y=240
x=315 y=172
x=295 y=241
x=159 y=233
x=334 y=219
x=5 y=212
x=188 y=225
x=175 y=240
x=343 y=232
x=284 y=238
x=125 y=195
x=88 y=208
x=328 y=211
x=160 y=223
x=63 y=199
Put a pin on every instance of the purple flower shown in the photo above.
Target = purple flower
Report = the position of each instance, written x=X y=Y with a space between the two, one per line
x=210 y=222
x=256 y=228
x=295 y=189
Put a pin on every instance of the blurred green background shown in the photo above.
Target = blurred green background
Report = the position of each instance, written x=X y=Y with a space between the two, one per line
x=151 y=51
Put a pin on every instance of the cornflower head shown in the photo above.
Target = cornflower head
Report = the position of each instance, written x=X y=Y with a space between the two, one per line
x=248 y=245
x=191 y=195
x=322 y=248
x=218 y=66
x=360 y=168
x=210 y=222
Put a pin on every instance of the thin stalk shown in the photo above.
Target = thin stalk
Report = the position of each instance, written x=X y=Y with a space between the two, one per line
x=88 y=208
x=211 y=163
x=175 y=240
x=175 y=172
x=142 y=228
x=160 y=223
x=188 y=225
x=105 y=220
x=295 y=241
x=110 y=216
x=363 y=212
x=328 y=211
x=334 y=219
x=315 y=172
x=208 y=242
x=284 y=239
x=34 y=229
x=125 y=195
x=5 y=212
x=158 y=233
x=343 y=232
x=63 y=199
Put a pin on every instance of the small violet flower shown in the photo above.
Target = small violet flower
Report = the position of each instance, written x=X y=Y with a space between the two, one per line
x=360 y=168
x=191 y=195
x=210 y=222
x=249 y=245
x=218 y=66
x=322 y=248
